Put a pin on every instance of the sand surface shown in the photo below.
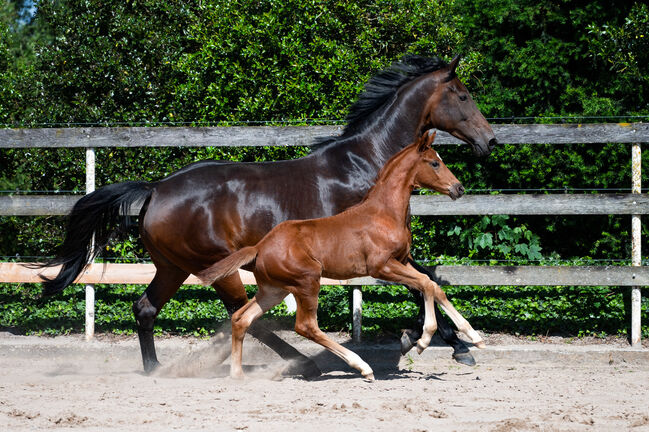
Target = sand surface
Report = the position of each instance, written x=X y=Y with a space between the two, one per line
x=66 y=383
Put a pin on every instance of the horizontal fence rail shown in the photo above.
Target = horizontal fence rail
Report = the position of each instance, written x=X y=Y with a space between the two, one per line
x=420 y=205
x=110 y=273
x=282 y=136
x=634 y=204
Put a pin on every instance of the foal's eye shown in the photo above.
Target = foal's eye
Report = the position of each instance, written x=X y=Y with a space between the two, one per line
x=435 y=164
x=463 y=97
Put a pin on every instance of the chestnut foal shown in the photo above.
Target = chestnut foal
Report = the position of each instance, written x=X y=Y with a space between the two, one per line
x=371 y=238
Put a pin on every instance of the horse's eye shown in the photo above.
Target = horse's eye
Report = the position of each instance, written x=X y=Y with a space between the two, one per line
x=435 y=164
x=463 y=97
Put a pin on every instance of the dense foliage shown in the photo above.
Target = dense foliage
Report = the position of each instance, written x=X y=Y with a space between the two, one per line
x=147 y=62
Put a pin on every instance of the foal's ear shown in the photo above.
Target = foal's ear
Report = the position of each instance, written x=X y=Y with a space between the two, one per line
x=426 y=141
x=452 y=66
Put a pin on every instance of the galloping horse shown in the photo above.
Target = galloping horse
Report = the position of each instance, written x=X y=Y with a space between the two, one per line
x=369 y=238
x=207 y=210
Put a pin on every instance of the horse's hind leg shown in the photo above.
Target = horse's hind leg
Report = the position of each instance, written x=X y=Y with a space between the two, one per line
x=164 y=285
x=306 y=324
x=233 y=295
x=461 y=352
x=242 y=319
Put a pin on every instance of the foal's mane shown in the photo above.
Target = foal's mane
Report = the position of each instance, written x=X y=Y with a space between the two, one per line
x=396 y=160
x=381 y=88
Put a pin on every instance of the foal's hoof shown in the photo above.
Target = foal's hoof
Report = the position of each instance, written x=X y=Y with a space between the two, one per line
x=421 y=347
x=369 y=377
x=239 y=376
x=407 y=342
x=481 y=345
x=306 y=368
x=465 y=358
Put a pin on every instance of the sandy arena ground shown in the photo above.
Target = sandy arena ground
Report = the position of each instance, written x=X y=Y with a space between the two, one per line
x=65 y=383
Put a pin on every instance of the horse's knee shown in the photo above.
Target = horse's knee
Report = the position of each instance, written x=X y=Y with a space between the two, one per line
x=145 y=313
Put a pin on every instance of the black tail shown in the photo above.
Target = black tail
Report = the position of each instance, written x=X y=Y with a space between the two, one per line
x=102 y=213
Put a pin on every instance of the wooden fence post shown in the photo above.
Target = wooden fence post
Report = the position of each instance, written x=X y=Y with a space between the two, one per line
x=357 y=312
x=90 y=289
x=636 y=256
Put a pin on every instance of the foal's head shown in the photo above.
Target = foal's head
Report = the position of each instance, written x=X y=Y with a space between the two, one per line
x=432 y=173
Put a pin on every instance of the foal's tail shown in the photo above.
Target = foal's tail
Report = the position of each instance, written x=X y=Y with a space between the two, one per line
x=102 y=214
x=227 y=265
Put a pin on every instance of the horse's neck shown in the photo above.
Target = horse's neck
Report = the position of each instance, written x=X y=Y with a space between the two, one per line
x=391 y=193
x=391 y=128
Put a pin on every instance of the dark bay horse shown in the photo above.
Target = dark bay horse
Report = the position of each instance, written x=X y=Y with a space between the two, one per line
x=370 y=238
x=207 y=210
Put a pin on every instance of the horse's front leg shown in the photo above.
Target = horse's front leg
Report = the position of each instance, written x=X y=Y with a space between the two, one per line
x=461 y=353
x=406 y=274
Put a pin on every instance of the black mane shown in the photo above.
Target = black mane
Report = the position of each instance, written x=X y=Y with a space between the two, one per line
x=382 y=87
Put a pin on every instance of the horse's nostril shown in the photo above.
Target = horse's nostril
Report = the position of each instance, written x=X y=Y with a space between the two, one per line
x=492 y=143
x=456 y=191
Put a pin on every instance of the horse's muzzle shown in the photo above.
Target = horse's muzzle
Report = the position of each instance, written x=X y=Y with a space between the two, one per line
x=456 y=191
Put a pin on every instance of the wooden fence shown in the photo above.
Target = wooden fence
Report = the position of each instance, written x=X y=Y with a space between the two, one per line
x=634 y=203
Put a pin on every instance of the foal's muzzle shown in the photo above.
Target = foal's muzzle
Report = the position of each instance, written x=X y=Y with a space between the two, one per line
x=456 y=191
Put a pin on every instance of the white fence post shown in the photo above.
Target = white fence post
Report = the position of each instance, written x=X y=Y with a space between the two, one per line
x=357 y=312
x=90 y=289
x=636 y=256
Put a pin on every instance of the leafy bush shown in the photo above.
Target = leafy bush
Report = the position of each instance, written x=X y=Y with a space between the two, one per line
x=216 y=62
x=386 y=309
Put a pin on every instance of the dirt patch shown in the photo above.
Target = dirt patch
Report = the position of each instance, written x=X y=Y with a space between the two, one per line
x=518 y=385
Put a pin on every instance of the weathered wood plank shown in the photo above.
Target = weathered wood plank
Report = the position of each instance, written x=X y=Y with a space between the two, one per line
x=542 y=275
x=37 y=205
x=109 y=273
x=531 y=204
x=445 y=275
x=429 y=205
x=572 y=133
x=236 y=136
x=165 y=136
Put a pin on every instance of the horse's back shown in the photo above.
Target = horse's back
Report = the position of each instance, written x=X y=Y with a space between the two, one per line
x=209 y=209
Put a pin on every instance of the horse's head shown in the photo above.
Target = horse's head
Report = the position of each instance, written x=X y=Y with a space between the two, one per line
x=452 y=109
x=432 y=172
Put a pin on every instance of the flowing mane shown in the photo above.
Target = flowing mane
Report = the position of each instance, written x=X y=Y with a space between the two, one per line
x=381 y=88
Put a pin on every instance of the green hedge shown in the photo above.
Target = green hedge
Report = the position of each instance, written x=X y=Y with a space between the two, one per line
x=575 y=311
x=247 y=62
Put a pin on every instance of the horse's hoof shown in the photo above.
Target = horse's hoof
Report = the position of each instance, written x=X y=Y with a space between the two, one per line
x=151 y=366
x=307 y=369
x=407 y=342
x=239 y=376
x=465 y=358
x=311 y=371
x=480 y=345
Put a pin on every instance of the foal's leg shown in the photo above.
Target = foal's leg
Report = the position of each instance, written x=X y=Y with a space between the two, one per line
x=266 y=298
x=233 y=295
x=461 y=352
x=395 y=271
x=306 y=324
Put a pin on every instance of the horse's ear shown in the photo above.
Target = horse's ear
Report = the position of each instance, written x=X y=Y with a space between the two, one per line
x=452 y=66
x=426 y=141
